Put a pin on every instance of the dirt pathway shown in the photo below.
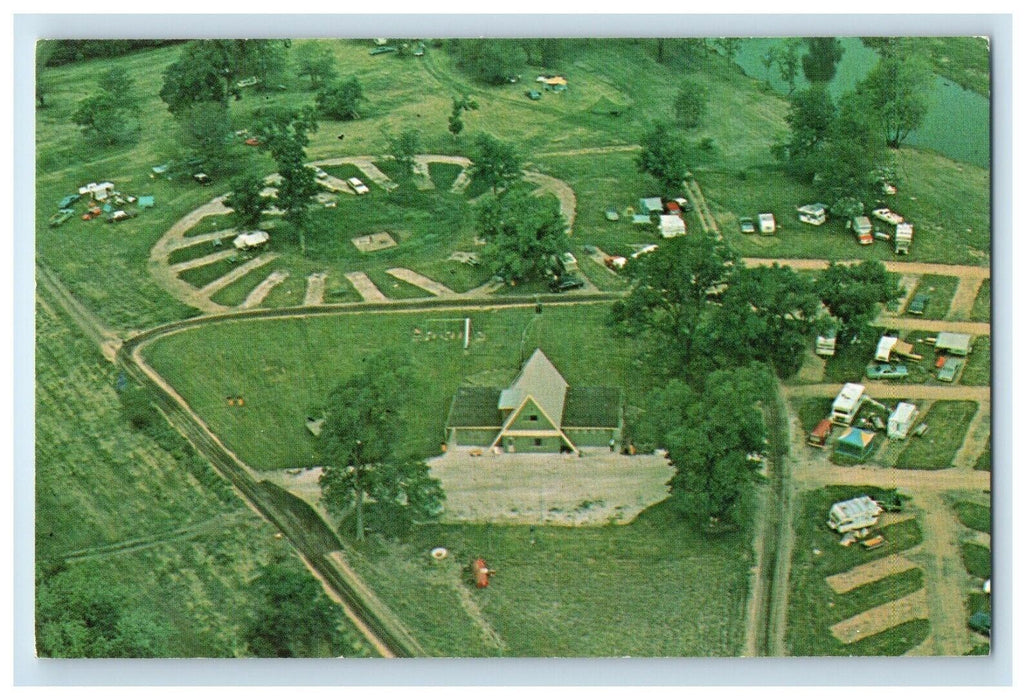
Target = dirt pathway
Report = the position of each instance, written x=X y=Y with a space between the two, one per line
x=871 y=571
x=934 y=326
x=257 y=295
x=881 y=618
x=179 y=243
x=315 y=288
x=947 y=392
x=236 y=273
x=88 y=322
x=595 y=150
x=964 y=298
x=975 y=439
x=568 y=201
x=203 y=260
x=365 y=287
x=946 y=580
x=904 y=268
x=819 y=473
x=418 y=280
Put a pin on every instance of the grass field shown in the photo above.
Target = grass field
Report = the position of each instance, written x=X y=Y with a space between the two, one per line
x=590 y=591
x=814 y=606
x=812 y=410
x=283 y=386
x=977 y=366
x=940 y=290
x=973 y=515
x=948 y=421
x=981 y=307
x=151 y=522
x=983 y=462
x=977 y=559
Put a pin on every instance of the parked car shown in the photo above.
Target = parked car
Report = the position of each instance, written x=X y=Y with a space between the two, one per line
x=357 y=185
x=383 y=49
x=918 y=304
x=202 y=179
x=121 y=215
x=950 y=369
x=68 y=201
x=319 y=172
x=881 y=235
x=884 y=370
x=60 y=217
x=534 y=95
x=644 y=250
x=563 y=283
x=615 y=262
x=253 y=141
x=820 y=434
x=746 y=225
x=612 y=214
x=888 y=216
x=91 y=213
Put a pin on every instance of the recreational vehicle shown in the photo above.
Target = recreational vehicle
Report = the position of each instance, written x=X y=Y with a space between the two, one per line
x=847 y=404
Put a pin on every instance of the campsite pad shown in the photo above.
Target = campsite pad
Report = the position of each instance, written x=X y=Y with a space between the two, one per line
x=869 y=572
x=374 y=241
x=881 y=618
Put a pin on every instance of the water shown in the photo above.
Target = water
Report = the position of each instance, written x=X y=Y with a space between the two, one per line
x=957 y=124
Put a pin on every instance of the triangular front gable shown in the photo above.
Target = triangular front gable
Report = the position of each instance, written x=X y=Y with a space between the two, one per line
x=512 y=417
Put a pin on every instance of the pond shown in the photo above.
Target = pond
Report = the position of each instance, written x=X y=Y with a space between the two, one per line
x=957 y=124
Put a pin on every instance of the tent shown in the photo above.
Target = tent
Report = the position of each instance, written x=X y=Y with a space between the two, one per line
x=146 y=202
x=671 y=225
x=650 y=205
x=954 y=343
x=855 y=445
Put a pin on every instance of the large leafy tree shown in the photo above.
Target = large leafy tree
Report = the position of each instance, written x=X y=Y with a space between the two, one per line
x=208 y=70
x=206 y=131
x=853 y=150
x=285 y=133
x=292 y=617
x=359 y=442
x=896 y=90
x=340 y=99
x=729 y=46
x=524 y=235
x=787 y=58
x=491 y=61
x=665 y=156
x=315 y=60
x=403 y=148
x=819 y=63
x=669 y=298
x=811 y=116
x=853 y=294
x=690 y=104
x=246 y=201
x=111 y=114
x=766 y=314
x=715 y=440
x=496 y=163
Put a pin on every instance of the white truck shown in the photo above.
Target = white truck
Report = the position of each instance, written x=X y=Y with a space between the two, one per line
x=847 y=404
x=854 y=514
x=902 y=239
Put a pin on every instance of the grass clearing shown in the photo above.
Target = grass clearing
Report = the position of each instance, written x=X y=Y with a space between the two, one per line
x=973 y=515
x=977 y=559
x=188 y=550
x=444 y=175
x=983 y=461
x=981 y=306
x=235 y=293
x=814 y=606
x=811 y=411
x=206 y=274
x=948 y=421
x=977 y=367
x=940 y=289
x=549 y=598
x=282 y=386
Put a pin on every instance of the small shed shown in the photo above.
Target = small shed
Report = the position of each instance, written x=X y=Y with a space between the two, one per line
x=650 y=206
x=855 y=444
x=671 y=226
x=959 y=344
x=901 y=421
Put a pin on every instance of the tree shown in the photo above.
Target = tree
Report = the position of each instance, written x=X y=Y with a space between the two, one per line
x=715 y=441
x=767 y=60
x=811 y=116
x=852 y=151
x=246 y=201
x=853 y=293
x=896 y=90
x=111 y=114
x=403 y=148
x=459 y=105
x=316 y=60
x=690 y=104
x=730 y=46
x=787 y=58
x=495 y=162
x=455 y=123
x=665 y=156
x=340 y=99
x=492 y=61
x=208 y=70
x=524 y=234
x=819 y=63
x=766 y=314
x=292 y=617
x=359 y=441
x=285 y=133
x=669 y=299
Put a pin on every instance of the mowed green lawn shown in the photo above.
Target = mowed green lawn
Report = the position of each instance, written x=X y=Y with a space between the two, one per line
x=284 y=369
x=655 y=587
x=948 y=422
x=115 y=508
x=814 y=606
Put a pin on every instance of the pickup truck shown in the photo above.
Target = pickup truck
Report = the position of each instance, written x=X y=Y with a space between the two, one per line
x=918 y=304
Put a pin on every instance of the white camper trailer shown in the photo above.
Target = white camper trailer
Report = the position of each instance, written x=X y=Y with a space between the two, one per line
x=903 y=238
x=825 y=346
x=813 y=214
x=251 y=240
x=885 y=347
x=671 y=225
x=847 y=404
x=855 y=514
x=901 y=421
x=767 y=223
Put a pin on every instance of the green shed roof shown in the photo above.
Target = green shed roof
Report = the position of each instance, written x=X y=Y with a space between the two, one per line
x=475 y=407
x=592 y=407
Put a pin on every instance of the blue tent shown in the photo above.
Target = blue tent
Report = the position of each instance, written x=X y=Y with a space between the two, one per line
x=855 y=444
x=145 y=202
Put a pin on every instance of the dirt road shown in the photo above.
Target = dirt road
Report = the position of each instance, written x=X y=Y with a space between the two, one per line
x=904 y=268
x=945 y=392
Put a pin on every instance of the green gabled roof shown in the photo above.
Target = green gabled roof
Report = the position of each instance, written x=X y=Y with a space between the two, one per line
x=475 y=407
x=592 y=407
x=539 y=378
